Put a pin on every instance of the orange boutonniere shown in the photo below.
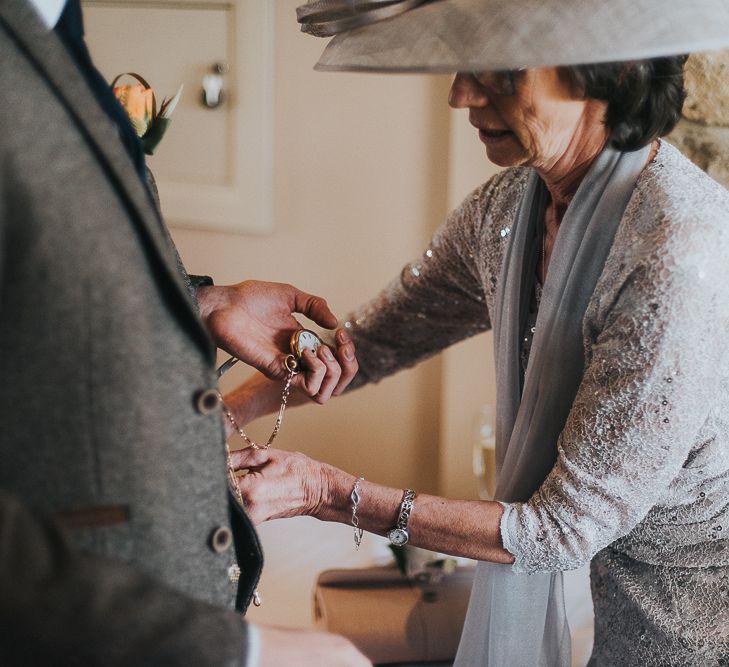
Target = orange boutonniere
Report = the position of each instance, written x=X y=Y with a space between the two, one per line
x=139 y=102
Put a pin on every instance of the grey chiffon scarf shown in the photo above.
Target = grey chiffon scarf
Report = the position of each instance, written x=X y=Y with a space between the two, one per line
x=518 y=620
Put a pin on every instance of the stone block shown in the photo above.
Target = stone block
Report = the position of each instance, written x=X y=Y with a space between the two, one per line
x=707 y=84
x=706 y=146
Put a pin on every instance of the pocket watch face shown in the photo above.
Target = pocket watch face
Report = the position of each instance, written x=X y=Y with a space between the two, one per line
x=303 y=339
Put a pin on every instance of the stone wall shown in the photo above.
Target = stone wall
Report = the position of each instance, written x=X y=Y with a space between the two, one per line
x=703 y=134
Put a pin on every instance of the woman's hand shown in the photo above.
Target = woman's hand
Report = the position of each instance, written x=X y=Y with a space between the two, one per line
x=259 y=396
x=282 y=484
x=254 y=321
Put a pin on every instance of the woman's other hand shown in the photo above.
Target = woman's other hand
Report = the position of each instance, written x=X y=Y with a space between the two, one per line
x=330 y=371
x=254 y=321
x=282 y=484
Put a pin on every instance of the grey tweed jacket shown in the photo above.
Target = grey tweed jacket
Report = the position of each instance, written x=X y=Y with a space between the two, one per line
x=115 y=520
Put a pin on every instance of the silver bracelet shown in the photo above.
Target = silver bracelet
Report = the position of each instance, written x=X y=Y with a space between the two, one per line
x=355 y=496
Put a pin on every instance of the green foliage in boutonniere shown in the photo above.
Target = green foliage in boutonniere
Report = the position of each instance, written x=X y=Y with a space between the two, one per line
x=139 y=102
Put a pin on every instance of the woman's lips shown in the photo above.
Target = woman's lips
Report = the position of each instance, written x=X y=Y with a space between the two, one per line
x=493 y=136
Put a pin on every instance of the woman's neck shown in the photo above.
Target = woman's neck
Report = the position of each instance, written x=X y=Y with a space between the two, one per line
x=563 y=174
x=564 y=178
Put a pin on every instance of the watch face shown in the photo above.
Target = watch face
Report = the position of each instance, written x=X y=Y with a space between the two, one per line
x=398 y=536
x=303 y=339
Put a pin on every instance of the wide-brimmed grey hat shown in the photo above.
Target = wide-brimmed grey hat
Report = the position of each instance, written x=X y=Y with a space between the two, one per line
x=463 y=35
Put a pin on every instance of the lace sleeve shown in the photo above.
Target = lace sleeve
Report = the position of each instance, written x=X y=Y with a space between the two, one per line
x=436 y=301
x=652 y=375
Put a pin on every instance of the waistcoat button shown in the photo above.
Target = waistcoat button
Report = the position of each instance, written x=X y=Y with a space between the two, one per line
x=207 y=401
x=221 y=539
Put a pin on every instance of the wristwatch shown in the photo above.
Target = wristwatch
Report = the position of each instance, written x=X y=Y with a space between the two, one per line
x=200 y=281
x=398 y=535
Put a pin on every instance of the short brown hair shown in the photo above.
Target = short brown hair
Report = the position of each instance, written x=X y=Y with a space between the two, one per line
x=644 y=97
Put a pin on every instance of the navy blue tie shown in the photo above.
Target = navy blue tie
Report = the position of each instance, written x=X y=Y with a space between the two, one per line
x=70 y=29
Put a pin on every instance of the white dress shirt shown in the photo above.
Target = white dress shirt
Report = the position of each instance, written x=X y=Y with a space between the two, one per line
x=49 y=10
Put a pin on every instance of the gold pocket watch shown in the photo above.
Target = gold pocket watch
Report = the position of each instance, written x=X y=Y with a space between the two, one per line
x=302 y=340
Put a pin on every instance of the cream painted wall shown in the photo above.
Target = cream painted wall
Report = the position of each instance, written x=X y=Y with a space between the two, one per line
x=366 y=167
x=361 y=176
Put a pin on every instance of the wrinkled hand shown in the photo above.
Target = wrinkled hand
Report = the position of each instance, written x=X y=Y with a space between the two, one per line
x=307 y=648
x=254 y=321
x=281 y=484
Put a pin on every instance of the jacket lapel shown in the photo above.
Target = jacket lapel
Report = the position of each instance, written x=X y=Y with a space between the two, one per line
x=49 y=55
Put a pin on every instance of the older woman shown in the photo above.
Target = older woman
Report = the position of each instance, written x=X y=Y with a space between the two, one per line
x=599 y=258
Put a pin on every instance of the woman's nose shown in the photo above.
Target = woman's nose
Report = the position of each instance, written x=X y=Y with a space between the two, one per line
x=466 y=92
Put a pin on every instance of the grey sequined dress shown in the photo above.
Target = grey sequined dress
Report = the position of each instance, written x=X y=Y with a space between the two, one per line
x=641 y=483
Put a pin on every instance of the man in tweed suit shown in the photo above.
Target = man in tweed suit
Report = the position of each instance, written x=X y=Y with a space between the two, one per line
x=118 y=541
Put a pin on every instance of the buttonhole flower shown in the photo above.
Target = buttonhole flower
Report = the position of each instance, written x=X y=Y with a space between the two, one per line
x=139 y=102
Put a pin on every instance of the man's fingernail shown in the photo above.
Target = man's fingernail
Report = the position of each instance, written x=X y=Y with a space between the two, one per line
x=327 y=353
x=348 y=352
x=342 y=336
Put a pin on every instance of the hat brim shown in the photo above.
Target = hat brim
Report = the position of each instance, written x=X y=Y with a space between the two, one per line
x=464 y=35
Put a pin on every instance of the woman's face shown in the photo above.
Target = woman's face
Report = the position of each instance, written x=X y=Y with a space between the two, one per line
x=536 y=126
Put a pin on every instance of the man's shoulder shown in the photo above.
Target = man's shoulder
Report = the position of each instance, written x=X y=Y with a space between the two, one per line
x=20 y=79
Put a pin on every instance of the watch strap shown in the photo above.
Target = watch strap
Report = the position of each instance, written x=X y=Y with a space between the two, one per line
x=398 y=535
x=406 y=507
x=200 y=281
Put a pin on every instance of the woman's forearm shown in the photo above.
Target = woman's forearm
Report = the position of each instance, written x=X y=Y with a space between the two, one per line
x=457 y=527
x=256 y=397
x=281 y=484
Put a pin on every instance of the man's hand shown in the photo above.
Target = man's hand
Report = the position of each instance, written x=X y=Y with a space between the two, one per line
x=254 y=321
